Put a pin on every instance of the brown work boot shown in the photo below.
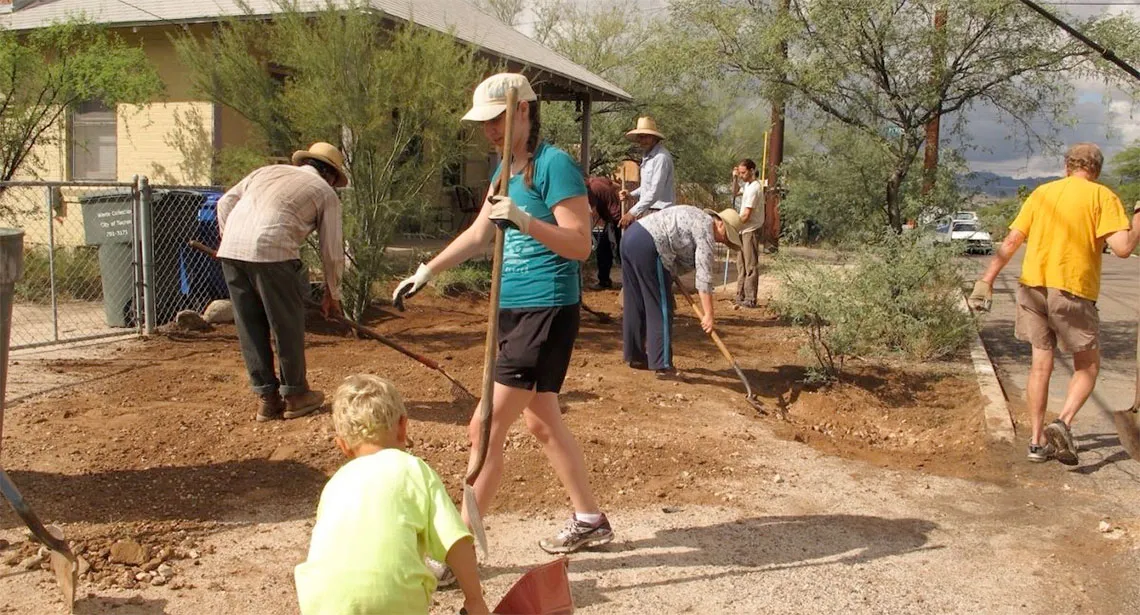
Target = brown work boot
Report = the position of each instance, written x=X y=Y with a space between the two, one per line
x=303 y=404
x=271 y=408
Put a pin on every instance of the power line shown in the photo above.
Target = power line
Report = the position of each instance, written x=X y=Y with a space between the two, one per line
x=142 y=10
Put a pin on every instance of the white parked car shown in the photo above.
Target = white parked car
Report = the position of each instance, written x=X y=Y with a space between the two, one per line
x=967 y=233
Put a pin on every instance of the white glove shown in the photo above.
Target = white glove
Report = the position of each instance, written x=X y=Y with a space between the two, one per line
x=411 y=286
x=504 y=209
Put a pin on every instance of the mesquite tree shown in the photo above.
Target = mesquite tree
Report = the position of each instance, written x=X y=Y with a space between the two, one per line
x=871 y=64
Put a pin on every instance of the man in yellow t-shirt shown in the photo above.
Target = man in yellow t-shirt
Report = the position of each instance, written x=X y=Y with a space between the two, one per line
x=1065 y=224
x=380 y=516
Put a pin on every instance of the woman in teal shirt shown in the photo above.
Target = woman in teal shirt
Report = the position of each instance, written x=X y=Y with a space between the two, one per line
x=548 y=238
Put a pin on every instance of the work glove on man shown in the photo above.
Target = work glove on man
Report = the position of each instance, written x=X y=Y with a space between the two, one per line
x=982 y=297
x=411 y=286
x=503 y=209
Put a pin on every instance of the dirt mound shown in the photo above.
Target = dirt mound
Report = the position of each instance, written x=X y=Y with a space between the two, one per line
x=157 y=443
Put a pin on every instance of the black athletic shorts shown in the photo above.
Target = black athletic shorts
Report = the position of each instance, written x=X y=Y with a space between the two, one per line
x=535 y=345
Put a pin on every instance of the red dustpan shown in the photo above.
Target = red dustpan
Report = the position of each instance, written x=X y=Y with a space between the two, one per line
x=544 y=590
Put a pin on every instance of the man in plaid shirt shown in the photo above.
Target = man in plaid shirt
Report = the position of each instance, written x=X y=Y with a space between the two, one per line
x=264 y=219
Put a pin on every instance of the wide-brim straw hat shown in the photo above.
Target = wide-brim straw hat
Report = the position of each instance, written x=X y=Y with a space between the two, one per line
x=490 y=98
x=328 y=154
x=645 y=126
x=732 y=225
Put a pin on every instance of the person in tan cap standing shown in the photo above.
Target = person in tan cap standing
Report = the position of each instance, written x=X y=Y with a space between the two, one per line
x=658 y=187
x=264 y=219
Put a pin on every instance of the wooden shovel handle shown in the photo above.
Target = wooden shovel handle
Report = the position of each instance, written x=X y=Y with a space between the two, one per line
x=701 y=315
x=492 y=342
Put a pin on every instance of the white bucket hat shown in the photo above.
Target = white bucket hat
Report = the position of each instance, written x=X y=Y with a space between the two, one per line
x=490 y=99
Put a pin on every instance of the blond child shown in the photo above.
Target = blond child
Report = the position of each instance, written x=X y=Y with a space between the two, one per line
x=380 y=515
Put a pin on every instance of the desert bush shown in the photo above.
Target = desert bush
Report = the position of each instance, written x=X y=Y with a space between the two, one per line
x=470 y=277
x=894 y=296
x=77 y=275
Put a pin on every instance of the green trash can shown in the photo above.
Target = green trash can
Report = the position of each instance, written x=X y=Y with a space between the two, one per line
x=108 y=222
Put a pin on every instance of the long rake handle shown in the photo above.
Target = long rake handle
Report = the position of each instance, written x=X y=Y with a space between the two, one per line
x=491 y=345
x=715 y=338
x=701 y=315
x=355 y=326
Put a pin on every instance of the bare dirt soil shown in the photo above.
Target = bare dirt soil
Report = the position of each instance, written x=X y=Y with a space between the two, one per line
x=155 y=443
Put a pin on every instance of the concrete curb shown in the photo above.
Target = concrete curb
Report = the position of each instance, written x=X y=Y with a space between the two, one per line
x=998 y=417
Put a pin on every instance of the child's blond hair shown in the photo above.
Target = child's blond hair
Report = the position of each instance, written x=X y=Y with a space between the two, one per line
x=365 y=407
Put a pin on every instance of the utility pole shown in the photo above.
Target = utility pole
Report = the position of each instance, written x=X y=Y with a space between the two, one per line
x=933 y=128
x=771 y=228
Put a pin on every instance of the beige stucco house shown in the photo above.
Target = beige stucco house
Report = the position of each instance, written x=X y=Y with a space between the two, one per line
x=100 y=144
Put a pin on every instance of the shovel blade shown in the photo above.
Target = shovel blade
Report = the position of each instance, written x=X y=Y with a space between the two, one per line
x=1128 y=431
x=476 y=519
x=66 y=568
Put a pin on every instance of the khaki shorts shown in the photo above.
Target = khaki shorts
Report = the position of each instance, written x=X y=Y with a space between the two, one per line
x=1048 y=316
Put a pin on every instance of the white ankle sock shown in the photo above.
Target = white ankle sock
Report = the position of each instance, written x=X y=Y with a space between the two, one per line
x=591 y=518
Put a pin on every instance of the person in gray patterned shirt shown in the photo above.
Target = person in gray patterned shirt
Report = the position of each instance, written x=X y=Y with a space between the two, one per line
x=671 y=242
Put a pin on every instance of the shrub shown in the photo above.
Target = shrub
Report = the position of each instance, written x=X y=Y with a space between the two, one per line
x=470 y=277
x=77 y=275
x=894 y=297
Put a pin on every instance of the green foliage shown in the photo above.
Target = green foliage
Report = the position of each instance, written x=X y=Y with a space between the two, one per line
x=45 y=73
x=997 y=216
x=897 y=296
x=469 y=277
x=390 y=96
x=881 y=68
x=1123 y=174
x=837 y=184
x=77 y=276
x=708 y=126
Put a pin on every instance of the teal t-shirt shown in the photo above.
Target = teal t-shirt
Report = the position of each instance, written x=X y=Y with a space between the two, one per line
x=533 y=275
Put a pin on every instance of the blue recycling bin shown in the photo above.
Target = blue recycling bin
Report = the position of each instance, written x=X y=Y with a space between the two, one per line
x=201 y=278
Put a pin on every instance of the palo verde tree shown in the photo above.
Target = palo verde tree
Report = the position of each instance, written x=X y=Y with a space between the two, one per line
x=871 y=64
x=390 y=95
x=667 y=79
x=45 y=73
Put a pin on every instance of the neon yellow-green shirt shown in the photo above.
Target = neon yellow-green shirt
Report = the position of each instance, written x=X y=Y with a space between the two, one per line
x=378 y=517
x=1065 y=223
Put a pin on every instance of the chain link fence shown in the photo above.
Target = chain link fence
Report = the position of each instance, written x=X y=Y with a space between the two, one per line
x=80 y=251
x=108 y=259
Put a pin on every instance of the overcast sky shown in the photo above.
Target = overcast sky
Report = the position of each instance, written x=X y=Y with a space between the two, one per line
x=993 y=146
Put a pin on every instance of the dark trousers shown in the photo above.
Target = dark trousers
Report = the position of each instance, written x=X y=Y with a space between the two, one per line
x=609 y=248
x=647 y=314
x=269 y=304
x=748 y=267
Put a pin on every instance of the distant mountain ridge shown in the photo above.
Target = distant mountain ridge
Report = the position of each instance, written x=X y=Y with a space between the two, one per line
x=1000 y=186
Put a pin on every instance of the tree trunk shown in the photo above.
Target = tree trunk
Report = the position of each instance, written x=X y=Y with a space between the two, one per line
x=894 y=202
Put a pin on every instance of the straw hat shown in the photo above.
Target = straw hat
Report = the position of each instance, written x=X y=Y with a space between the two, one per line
x=732 y=225
x=328 y=154
x=490 y=99
x=645 y=126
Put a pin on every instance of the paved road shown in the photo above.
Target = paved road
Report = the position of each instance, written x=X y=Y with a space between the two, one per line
x=1102 y=458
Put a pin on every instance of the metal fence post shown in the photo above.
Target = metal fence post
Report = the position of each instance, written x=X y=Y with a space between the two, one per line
x=51 y=205
x=146 y=235
x=11 y=270
x=136 y=255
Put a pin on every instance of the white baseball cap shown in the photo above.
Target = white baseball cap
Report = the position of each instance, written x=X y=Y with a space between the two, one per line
x=490 y=98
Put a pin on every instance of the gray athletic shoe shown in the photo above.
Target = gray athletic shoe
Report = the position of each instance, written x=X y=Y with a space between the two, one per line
x=1040 y=453
x=444 y=577
x=1058 y=436
x=578 y=534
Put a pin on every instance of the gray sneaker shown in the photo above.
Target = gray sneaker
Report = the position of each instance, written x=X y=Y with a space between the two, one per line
x=578 y=534
x=1058 y=436
x=444 y=577
x=1040 y=453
